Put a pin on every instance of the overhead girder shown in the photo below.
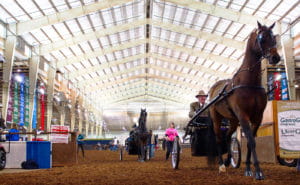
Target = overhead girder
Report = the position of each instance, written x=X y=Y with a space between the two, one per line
x=92 y=87
x=144 y=66
x=55 y=46
x=27 y=26
x=153 y=55
x=208 y=56
x=141 y=84
x=141 y=90
x=100 y=52
x=96 y=68
x=115 y=89
x=221 y=12
x=82 y=37
x=200 y=34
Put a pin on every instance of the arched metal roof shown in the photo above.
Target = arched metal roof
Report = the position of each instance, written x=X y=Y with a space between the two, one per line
x=123 y=51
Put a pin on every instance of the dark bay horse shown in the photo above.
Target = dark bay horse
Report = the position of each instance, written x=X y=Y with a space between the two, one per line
x=246 y=98
x=141 y=135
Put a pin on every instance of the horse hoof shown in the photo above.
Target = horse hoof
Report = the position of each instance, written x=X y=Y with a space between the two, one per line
x=222 y=168
x=248 y=173
x=259 y=176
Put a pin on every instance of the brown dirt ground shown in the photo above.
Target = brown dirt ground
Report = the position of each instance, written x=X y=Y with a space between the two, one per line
x=104 y=167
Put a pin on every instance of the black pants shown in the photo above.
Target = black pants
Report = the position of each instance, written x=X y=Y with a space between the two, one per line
x=169 y=148
x=82 y=150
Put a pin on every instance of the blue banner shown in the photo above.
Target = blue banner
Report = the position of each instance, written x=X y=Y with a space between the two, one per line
x=22 y=103
x=270 y=86
x=26 y=101
x=34 y=116
x=284 y=87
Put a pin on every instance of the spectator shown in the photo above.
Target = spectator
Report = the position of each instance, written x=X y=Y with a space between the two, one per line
x=80 y=142
x=171 y=133
x=151 y=144
x=12 y=136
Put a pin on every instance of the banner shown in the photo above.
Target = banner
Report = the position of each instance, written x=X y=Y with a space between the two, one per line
x=26 y=101
x=10 y=103
x=34 y=116
x=284 y=87
x=277 y=85
x=16 y=103
x=289 y=128
x=22 y=103
x=42 y=113
x=59 y=137
x=270 y=86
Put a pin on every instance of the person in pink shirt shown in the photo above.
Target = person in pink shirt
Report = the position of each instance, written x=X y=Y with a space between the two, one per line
x=171 y=133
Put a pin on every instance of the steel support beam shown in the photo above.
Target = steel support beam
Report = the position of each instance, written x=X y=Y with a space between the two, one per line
x=289 y=62
x=27 y=26
x=10 y=45
x=50 y=90
x=72 y=111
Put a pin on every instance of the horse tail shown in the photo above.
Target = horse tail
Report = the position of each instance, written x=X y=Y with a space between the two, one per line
x=211 y=145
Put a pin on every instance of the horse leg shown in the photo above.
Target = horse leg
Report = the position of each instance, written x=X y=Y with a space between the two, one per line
x=231 y=130
x=217 y=125
x=245 y=123
x=258 y=172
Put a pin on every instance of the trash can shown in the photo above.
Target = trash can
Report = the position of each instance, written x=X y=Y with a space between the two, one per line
x=40 y=152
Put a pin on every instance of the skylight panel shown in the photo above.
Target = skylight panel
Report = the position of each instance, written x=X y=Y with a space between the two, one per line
x=94 y=61
x=73 y=26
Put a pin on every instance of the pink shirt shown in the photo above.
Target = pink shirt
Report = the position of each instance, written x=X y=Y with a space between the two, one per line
x=171 y=133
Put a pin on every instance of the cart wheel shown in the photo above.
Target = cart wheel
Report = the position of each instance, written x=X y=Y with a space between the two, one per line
x=235 y=150
x=2 y=159
x=176 y=154
x=121 y=154
x=287 y=162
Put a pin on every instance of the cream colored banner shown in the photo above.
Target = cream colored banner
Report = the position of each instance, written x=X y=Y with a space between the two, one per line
x=289 y=128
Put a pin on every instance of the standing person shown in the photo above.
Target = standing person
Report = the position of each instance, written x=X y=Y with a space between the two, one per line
x=80 y=142
x=13 y=137
x=151 y=144
x=171 y=133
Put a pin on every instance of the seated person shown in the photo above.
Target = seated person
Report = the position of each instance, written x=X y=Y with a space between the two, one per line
x=13 y=137
x=197 y=106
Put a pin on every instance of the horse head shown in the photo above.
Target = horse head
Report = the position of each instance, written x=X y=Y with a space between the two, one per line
x=266 y=43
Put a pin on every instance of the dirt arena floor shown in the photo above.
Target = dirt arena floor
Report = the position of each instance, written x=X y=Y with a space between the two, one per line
x=104 y=167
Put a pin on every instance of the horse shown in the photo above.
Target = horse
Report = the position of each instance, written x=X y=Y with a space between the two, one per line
x=245 y=99
x=141 y=135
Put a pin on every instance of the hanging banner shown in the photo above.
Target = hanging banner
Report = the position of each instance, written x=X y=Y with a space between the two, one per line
x=277 y=84
x=284 y=87
x=289 y=128
x=270 y=86
x=42 y=113
x=16 y=103
x=59 y=137
x=22 y=103
x=34 y=116
x=10 y=104
x=26 y=101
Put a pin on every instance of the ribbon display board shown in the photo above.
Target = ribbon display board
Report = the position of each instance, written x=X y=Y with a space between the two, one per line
x=10 y=104
x=59 y=138
x=16 y=103
x=22 y=103
x=26 y=101
x=289 y=128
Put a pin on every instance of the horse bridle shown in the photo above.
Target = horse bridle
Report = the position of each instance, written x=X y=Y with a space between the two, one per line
x=267 y=53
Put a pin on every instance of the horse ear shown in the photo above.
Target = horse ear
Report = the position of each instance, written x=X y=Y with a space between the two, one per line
x=259 y=25
x=272 y=26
